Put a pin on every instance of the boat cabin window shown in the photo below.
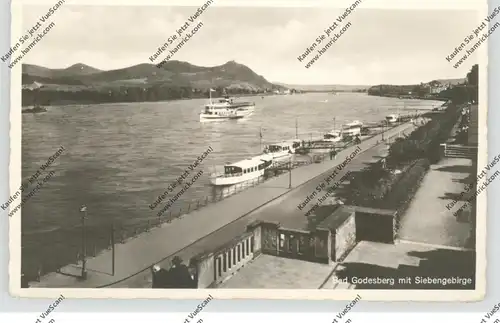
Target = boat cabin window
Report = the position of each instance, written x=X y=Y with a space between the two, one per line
x=296 y=144
x=273 y=148
x=265 y=164
x=232 y=170
x=330 y=135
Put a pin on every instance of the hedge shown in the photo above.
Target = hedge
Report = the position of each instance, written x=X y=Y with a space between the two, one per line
x=424 y=142
x=404 y=190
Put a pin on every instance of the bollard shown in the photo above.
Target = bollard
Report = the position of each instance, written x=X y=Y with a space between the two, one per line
x=198 y=206
x=189 y=207
x=39 y=273
x=95 y=250
x=147 y=228
x=180 y=211
x=206 y=200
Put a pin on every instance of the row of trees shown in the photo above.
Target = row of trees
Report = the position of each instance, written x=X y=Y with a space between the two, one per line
x=468 y=92
x=379 y=187
x=425 y=141
x=460 y=92
x=52 y=96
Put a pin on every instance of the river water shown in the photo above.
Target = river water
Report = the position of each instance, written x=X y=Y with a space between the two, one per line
x=119 y=158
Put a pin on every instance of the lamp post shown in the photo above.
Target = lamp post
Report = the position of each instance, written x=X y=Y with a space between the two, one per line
x=290 y=175
x=83 y=212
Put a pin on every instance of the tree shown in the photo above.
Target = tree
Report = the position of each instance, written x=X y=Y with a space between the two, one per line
x=473 y=76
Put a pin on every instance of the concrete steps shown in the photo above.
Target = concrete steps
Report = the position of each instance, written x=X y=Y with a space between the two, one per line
x=459 y=151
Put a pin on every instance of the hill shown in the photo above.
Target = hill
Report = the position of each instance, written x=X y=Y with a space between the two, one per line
x=230 y=74
x=44 y=72
x=81 y=83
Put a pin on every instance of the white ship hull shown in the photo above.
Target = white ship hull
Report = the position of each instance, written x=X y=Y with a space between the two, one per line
x=232 y=180
x=278 y=156
x=352 y=132
x=228 y=114
x=225 y=180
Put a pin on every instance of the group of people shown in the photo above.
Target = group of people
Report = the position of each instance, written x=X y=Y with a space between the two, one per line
x=463 y=127
x=333 y=152
x=178 y=276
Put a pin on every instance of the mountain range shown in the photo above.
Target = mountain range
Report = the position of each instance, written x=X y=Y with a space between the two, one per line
x=230 y=75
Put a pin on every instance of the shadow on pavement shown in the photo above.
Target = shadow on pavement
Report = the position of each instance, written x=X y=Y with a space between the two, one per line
x=455 y=197
x=456 y=169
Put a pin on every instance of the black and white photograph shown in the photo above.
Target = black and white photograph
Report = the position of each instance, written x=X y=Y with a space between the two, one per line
x=249 y=151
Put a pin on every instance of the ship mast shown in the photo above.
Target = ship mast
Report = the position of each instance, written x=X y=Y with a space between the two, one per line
x=296 y=129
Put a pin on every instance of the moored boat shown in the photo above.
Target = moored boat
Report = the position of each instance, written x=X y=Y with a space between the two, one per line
x=282 y=150
x=352 y=129
x=242 y=171
x=333 y=136
x=254 y=167
x=35 y=109
x=392 y=118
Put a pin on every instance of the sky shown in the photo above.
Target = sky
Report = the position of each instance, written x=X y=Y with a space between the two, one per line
x=382 y=46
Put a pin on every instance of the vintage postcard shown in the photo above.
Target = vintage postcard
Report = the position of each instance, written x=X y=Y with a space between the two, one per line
x=248 y=149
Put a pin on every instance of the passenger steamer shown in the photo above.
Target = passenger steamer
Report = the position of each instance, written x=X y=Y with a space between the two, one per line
x=253 y=168
x=352 y=129
x=226 y=108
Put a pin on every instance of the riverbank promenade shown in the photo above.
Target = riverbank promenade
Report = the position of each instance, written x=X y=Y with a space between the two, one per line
x=428 y=220
x=211 y=226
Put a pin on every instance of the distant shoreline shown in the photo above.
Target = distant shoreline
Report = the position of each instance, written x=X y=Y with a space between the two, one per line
x=66 y=103
x=409 y=98
x=76 y=102
x=69 y=103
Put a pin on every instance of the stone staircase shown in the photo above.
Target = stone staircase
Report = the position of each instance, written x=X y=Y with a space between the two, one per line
x=460 y=151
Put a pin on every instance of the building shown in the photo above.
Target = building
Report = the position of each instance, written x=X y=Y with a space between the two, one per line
x=438 y=88
x=334 y=247
x=33 y=86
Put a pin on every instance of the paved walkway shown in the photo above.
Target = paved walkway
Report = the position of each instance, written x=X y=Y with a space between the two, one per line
x=427 y=219
x=267 y=271
x=212 y=225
